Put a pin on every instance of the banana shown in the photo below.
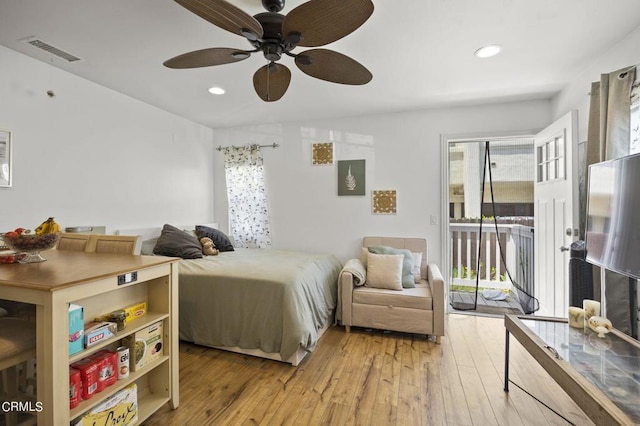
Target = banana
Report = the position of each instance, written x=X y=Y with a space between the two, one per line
x=53 y=227
x=42 y=228
x=49 y=226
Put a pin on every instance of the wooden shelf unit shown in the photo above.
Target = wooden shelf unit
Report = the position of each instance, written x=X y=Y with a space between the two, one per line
x=91 y=281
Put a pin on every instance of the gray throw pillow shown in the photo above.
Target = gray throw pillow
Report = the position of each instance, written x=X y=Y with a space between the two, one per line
x=408 y=280
x=174 y=242
x=219 y=238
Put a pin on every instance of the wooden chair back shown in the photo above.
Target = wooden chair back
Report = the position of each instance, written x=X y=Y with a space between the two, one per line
x=100 y=243
x=115 y=244
x=74 y=242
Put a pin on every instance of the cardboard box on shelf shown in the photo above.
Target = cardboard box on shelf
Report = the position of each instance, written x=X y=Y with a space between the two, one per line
x=88 y=377
x=145 y=345
x=131 y=312
x=135 y=311
x=96 y=332
x=119 y=410
x=76 y=328
x=107 y=369
x=74 y=387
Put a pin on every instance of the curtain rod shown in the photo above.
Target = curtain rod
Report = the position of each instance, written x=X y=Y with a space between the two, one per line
x=273 y=145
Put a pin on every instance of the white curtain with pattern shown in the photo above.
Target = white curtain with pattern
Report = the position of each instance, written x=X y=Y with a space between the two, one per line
x=246 y=191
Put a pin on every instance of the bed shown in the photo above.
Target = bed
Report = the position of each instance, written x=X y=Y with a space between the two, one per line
x=264 y=302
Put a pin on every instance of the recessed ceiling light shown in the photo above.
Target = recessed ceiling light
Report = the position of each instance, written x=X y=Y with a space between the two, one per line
x=488 y=51
x=216 y=90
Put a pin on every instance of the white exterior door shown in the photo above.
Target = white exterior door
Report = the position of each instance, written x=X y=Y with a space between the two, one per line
x=556 y=212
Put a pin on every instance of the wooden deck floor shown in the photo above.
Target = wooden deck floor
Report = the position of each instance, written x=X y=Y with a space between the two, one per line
x=373 y=378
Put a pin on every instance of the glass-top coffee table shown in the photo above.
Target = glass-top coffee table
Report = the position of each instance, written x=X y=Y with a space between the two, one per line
x=602 y=375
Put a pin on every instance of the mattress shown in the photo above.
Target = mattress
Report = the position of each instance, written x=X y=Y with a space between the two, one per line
x=272 y=300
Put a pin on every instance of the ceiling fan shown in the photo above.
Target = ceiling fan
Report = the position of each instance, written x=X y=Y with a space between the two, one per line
x=312 y=24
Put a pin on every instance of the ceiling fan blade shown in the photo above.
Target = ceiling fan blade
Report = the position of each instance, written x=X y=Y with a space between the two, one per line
x=322 y=22
x=332 y=66
x=207 y=58
x=224 y=15
x=271 y=81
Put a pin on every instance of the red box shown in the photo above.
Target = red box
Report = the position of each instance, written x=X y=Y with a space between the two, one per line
x=74 y=387
x=89 y=375
x=107 y=369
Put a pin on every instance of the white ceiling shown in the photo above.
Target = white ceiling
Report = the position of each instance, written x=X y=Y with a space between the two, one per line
x=419 y=51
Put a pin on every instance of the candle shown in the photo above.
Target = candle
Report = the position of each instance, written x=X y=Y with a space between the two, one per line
x=591 y=308
x=576 y=317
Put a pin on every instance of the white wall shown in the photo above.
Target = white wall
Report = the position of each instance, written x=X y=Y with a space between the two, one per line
x=92 y=156
x=402 y=152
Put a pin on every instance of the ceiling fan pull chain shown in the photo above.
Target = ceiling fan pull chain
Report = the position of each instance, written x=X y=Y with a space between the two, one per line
x=269 y=67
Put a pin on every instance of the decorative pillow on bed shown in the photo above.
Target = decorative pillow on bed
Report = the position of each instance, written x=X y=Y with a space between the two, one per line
x=407 y=265
x=175 y=242
x=384 y=271
x=221 y=241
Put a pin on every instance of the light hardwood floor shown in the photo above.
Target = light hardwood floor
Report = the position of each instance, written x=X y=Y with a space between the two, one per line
x=373 y=378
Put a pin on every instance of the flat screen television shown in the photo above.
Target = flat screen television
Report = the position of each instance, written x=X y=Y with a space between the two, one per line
x=613 y=215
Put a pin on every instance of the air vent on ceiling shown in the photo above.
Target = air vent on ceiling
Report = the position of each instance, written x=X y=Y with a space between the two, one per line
x=43 y=45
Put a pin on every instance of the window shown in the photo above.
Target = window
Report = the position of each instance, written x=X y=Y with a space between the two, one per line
x=550 y=160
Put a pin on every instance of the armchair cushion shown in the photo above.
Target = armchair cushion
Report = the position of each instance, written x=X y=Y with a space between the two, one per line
x=418 y=297
x=384 y=271
x=407 y=262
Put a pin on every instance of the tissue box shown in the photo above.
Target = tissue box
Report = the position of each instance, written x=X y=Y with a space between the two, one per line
x=76 y=328
x=119 y=410
x=96 y=332
x=145 y=346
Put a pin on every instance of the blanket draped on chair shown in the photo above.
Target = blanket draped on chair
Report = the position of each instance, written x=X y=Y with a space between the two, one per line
x=357 y=269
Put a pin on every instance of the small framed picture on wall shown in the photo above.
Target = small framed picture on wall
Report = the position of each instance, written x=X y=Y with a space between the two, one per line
x=383 y=201
x=351 y=177
x=322 y=153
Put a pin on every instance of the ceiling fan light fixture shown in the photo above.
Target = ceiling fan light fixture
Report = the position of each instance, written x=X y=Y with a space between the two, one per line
x=303 y=60
x=249 y=35
x=272 y=51
x=215 y=90
x=241 y=55
x=488 y=51
x=293 y=38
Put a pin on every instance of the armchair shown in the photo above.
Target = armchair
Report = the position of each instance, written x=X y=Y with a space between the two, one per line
x=410 y=310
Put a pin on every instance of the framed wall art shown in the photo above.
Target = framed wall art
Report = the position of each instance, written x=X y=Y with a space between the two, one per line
x=351 y=177
x=5 y=158
x=383 y=201
x=322 y=153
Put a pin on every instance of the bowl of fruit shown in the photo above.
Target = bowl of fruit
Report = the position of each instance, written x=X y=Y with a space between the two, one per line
x=22 y=240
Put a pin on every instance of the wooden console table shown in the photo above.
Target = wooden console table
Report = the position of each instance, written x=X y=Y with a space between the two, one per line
x=92 y=281
x=602 y=375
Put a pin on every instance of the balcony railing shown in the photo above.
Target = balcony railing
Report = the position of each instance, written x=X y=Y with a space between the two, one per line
x=516 y=240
